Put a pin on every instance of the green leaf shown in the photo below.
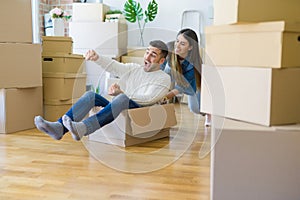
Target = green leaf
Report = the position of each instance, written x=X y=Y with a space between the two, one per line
x=151 y=11
x=133 y=11
x=114 y=12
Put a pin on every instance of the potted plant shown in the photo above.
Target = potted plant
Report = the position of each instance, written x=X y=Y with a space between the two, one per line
x=58 y=13
x=58 y=16
x=114 y=16
x=133 y=12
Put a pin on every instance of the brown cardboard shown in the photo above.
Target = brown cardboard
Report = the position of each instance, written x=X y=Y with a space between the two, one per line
x=60 y=86
x=132 y=59
x=138 y=125
x=263 y=96
x=151 y=118
x=20 y=65
x=125 y=140
x=136 y=51
x=18 y=107
x=258 y=160
x=57 y=45
x=67 y=63
x=267 y=44
x=54 y=109
x=16 y=21
x=235 y=11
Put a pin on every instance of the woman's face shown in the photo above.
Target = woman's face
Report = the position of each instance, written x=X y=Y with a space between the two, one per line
x=182 y=46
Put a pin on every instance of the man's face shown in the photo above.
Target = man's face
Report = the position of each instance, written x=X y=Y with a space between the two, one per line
x=152 y=59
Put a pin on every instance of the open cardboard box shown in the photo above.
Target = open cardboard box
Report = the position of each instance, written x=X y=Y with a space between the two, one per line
x=138 y=125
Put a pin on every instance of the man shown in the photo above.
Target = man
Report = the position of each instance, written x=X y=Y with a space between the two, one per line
x=138 y=86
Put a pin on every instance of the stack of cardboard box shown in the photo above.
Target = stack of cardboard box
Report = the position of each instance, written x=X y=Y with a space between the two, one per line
x=20 y=69
x=251 y=80
x=89 y=31
x=64 y=80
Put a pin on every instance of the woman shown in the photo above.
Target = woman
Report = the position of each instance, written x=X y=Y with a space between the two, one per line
x=184 y=65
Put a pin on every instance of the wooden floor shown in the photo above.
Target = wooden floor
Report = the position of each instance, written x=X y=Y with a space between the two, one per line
x=33 y=166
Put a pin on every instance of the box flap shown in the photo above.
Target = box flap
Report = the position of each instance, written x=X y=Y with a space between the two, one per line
x=275 y=26
x=151 y=118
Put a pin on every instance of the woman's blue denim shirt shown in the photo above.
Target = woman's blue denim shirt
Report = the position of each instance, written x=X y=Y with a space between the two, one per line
x=189 y=75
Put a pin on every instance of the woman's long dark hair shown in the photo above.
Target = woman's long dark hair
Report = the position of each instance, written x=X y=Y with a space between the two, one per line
x=194 y=58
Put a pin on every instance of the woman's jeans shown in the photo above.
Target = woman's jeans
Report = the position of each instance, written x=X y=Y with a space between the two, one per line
x=110 y=110
x=194 y=102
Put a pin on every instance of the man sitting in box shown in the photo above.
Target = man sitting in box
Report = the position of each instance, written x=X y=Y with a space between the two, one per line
x=138 y=86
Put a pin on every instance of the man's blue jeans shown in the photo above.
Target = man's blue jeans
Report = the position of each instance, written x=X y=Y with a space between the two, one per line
x=110 y=110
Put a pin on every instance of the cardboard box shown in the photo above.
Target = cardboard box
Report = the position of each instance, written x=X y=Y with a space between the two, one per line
x=54 y=109
x=260 y=162
x=60 y=86
x=132 y=59
x=263 y=96
x=234 y=11
x=57 y=45
x=21 y=65
x=90 y=35
x=89 y=12
x=125 y=140
x=267 y=44
x=138 y=125
x=136 y=51
x=16 y=21
x=66 y=63
x=18 y=107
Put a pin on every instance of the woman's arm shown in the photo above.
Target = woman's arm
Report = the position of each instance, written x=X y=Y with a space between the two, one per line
x=172 y=93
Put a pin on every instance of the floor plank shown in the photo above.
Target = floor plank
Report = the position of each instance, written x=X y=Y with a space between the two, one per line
x=33 y=166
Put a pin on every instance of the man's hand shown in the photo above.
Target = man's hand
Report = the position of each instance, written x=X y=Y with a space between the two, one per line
x=91 y=55
x=114 y=90
x=163 y=100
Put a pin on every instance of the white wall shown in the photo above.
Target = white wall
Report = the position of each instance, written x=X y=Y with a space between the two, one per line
x=168 y=20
